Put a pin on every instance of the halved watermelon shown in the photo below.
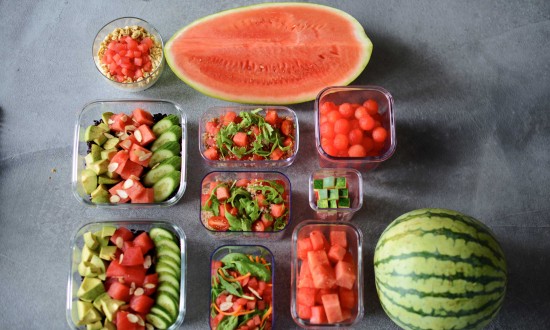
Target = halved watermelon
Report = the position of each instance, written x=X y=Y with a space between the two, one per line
x=272 y=53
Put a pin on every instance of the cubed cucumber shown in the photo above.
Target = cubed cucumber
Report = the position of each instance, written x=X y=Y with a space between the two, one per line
x=322 y=204
x=160 y=232
x=333 y=194
x=328 y=182
x=165 y=151
x=173 y=134
x=165 y=167
x=344 y=203
x=166 y=186
x=333 y=204
x=165 y=123
x=343 y=193
x=322 y=193
x=318 y=184
x=341 y=182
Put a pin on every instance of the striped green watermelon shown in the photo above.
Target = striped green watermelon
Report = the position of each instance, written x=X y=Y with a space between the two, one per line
x=439 y=269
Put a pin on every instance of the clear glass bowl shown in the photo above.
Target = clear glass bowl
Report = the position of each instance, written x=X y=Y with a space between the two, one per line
x=355 y=190
x=217 y=176
x=216 y=112
x=77 y=242
x=357 y=94
x=122 y=23
x=92 y=111
x=355 y=243
x=254 y=250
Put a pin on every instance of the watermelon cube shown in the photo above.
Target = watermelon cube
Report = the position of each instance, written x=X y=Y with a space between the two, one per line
x=304 y=312
x=336 y=253
x=338 y=237
x=345 y=274
x=306 y=296
x=331 y=304
x=348 y=298
x=303 y=246
x=304 y=279
x=321 y=271
x=318 y=240
x=318 y=315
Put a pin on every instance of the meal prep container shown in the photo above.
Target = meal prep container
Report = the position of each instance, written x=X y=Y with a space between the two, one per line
x=216 y=112
x=355 y=243
x=357 y=94
x=92 y=111
x=121 y=23
x=77 y=243
x=354 y=186
x=254 y=250
x=250 y=175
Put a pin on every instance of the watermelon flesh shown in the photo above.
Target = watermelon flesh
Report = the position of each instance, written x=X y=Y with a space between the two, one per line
x=273 y=53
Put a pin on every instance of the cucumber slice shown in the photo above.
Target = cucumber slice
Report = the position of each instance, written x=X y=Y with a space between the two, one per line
x=165 y=167
x=171 y=265
x=165 y=269
x=161 y=312
x=165 y=251
x=165 y=151
x=157 y=321
x=169 y=304
x=165 y=123
x=171 y=279
x=166 y=186
x=162 y=242
x=169 y=289
x=160 y=232
x=173 y=134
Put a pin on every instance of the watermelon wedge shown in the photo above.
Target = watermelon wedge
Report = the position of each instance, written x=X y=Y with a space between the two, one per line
x=272 y=53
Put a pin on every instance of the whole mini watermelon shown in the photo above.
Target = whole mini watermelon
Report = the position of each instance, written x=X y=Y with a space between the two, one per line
x=439 y=269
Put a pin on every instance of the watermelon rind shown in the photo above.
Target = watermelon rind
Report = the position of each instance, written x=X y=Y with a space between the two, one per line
x=439 y=269
x=299 y=96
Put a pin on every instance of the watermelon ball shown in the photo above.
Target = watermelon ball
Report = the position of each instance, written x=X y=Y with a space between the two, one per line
x=454 y=267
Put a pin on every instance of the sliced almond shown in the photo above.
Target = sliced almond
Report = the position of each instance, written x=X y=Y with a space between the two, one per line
x=141 y=322
x=146 y=156
x=119 y=242
x=255 y=293
x=147 y=262
x=128 y=184
x=132 y=318
x=114 y=199
x=138 y=136
x=149 y=285
x=121 y=258
x=133 y=177
x=229 y=298
x=110 y=121
x=122 y=193
x=132 y=291
x=126 y=144
x=149 y=327
x=124 y=118
x=129 y=128
x=139 y=292
x=226 y=305
x=123 y=136
x=109 y=136
x=112 y=167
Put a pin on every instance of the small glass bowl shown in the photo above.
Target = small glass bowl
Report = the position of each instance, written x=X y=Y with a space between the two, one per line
x=355 y=192
x=217 y=112
x=123 y=22
x=253 y=250
x=355 y=243
x=218 y=176
x=77 y=242
x=357 y=94
x=93 y=111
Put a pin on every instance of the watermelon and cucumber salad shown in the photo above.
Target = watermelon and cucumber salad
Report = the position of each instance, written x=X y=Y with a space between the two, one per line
x=245 y=205
x=132 y=158
x=326 y=278
x=241 y=293
x=254 y=135
x=130 y=279
x=439 y=269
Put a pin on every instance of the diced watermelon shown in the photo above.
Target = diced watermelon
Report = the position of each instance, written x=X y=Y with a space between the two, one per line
x=240 y=139
x=211 y=153
x=338 y=237
x=306 y=296
x=304 y=312
x=321 y=293
x=119 y=120
x=321 y=271
x=120 y=159
x=141 y=304
x=114 y=191
x=143 y=117
x=336 y=253
x=144 y=242
x=222 y=193
x=331 y=304
x=123 y=232
x=119 y=291
x=318 y=241
x=135 y=189
x=277 y=210
x=147 y=195
x=348 y=299
x=133 y=256
x=303 y=246
x=305 y=280
x=345 y=275
x=140 y=155
x=126 y=245
x=128 y=274
x=346 y=314
x=147 y=135
x=318 y=315
x=123 y=323
x=130 y=168
x=150 y=283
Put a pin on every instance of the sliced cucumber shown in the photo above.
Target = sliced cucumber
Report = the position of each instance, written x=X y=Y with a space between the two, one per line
x=169 y=289
x=162 y=242
x=173 y=134
x=165 y=269
x=169 y=304
x=165 y=123
x=171 y=279
x=165 y=167
x=157 y=321
x=166 y=186
x=164 y=263
x=165 y=151
x=160 y=232
x=165 y=251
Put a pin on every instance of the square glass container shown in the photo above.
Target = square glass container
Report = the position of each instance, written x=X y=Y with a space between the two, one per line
x=220 y=111
x=213 y=178
x=121 y=23
x=353 y=191
x=253 y=250
x=77 y=243
x=353 y=253
x=358 y=95
x=92 y=111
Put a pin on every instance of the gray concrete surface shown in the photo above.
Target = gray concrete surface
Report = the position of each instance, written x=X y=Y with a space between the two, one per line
x=472 y=89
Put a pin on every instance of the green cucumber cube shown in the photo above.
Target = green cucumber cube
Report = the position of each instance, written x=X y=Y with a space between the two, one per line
x=333 y=194
x=333 y=204
x=341 y=183
x=322 y=204
x=343 y=193
x=318 y=184
x=323 y=194
x=344 y=203
x=328 y=182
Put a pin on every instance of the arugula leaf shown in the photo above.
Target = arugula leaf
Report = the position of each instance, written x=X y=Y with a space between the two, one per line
x=229 y=287
x=234 y=222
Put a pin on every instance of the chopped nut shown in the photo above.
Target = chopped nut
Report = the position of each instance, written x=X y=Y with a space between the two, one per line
x=112 y=167
x=146 y=156
x=138 y=136
x=147 y=263
x=129 y=128
x=149 y=327
x=229 y=297
x=121 y=258
x=122 y=193
x=132 y=318
x=149 y=286
x=119 y=242
x=255 y=293
x=110 y=121
x=226 y=305
x=140 y=321
x=139 y=292
x=128 y=184
x=114 y=199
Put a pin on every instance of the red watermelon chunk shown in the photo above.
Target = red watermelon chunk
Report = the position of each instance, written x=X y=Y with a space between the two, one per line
x=338 y=237
x=119 y=291
x=345 y=275
x=306 y=296
x=318 y=315
x=140 y=155
x=305 y=280
x=130 y=168
x=348 y=299
x=321 y=270
x=304 y=312
x=336 y=253
x=303 y=246
x=143 y=117
x=146 y=134
x=318 y=240
x=133 y=256
x=331 y=304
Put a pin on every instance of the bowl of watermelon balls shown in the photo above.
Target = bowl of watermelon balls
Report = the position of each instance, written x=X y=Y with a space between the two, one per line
x=128 y=52
x=354 y=126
